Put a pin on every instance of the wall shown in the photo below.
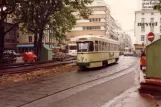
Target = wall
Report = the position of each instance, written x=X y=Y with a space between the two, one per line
x=147 y=15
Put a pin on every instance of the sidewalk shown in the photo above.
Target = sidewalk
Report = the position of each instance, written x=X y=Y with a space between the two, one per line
x=132 y=98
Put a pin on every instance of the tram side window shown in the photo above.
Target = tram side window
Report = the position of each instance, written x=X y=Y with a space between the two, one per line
x=91 y=47
x=96 y=45
x=111 y=47
x=118 y=47
x=100 y=45
x=103 y=46
x=114 y=47
x=108 y=47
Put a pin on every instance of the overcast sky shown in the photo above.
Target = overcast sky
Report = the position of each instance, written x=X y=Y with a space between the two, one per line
x=124 y=12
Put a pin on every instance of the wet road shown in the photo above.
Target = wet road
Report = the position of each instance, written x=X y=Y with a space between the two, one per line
x=91 y=88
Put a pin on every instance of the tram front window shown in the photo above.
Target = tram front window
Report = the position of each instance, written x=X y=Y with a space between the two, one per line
x=85 y=46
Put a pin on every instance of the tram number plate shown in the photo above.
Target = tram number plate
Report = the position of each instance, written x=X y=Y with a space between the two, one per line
x=144 y=68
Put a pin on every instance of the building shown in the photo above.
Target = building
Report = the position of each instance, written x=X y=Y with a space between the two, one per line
x=10 y=39
x=26 y=41
x=114 y=29
x=146 y=20
x=97 y=23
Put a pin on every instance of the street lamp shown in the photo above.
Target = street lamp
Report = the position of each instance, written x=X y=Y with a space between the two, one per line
x=2 y=8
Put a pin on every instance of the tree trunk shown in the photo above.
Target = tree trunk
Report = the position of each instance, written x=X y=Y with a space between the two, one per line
x=2 y=34
x=35 y=43
x=39 y=45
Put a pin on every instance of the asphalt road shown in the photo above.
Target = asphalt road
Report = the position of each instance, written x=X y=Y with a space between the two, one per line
x=91 y=88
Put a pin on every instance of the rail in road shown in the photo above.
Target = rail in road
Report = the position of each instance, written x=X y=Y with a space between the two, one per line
x=27 y=67
x=93 y=81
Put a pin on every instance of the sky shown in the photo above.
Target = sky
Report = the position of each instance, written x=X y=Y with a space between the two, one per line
x=123 y=12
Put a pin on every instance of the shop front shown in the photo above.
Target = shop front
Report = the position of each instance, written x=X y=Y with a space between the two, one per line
x=21 y=48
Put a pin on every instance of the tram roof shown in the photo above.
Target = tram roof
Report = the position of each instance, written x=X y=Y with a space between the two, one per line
x=96 y=37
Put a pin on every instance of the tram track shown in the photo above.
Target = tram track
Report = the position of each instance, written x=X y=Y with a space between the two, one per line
x=130 y=69
x=22 y=68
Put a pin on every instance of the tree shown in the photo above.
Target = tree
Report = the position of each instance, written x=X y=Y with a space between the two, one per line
x=125 y=41
x=6 y=7
x=158 y=6
x=36 y=15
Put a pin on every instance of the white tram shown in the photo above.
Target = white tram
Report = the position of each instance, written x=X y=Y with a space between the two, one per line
x=96 y=51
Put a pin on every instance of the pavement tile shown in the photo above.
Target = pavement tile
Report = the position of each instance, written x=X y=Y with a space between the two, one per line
x=6 y=105
x=6 y=95
x=12 y=101
x=2 y=87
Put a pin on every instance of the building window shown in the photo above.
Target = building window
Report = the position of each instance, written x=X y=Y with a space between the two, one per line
x=142 y=27
x=152 y=13
x=91 y=27
x=152 y=20
x=142 y=13
x=142 y=37
x=152 y=27
x=95 y=19
x=17 y=35
x=30 y=38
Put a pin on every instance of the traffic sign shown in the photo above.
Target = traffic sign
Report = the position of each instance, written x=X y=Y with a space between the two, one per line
x=151 y=36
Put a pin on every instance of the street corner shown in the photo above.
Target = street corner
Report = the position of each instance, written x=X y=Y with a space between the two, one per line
x=132 y=98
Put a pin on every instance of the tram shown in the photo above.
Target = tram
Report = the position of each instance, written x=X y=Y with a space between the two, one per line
x=96 y=51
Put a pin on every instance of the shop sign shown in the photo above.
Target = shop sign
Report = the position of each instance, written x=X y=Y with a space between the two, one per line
x=149 y=4
x=148 y=24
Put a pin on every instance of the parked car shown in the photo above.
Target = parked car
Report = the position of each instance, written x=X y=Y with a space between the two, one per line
x=11 y=52
x=29 y=57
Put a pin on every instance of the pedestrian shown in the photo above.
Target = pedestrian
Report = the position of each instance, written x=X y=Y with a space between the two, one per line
x=143 y=54
x=143 y=61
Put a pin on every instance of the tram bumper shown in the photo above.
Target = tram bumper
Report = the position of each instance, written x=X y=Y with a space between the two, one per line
x=83 y=64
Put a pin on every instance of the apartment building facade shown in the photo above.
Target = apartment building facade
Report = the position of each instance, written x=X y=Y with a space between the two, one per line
x=114 y=29
x=97 y=24
x=146 y=20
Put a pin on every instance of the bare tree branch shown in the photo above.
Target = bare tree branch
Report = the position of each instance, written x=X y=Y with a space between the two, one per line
x=13 y=26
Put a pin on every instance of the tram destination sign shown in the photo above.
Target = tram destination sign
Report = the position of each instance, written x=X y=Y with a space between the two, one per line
x=149 y=4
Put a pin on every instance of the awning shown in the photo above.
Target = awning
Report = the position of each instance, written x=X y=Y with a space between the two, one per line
x=25 y=46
